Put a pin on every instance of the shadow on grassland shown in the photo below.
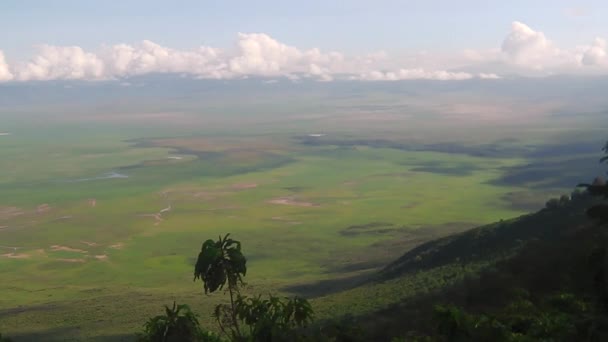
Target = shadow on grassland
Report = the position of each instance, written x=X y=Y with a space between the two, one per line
x=551 y=174
x=399 y=239
x=68 y=334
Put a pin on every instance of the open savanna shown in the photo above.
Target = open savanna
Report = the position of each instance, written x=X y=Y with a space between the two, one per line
x=100 y=221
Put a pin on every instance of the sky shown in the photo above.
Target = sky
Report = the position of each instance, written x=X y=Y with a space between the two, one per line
x=324 y=40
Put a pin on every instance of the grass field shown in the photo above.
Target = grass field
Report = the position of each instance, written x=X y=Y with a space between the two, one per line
x=100 y=220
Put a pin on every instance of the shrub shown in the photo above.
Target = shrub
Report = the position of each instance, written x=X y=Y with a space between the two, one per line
x=178 y=324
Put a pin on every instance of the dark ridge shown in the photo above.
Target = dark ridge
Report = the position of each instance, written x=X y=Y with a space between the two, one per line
x=494 y=241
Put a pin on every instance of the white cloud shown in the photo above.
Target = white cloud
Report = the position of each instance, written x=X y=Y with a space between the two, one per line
x=485 y=76
x=62 y=62
x=261 y=55
x=5 y=73
x=414 y=74
x=526 y=51
x=595 y=55
x=148 y=57
x=523 y=51
x=525 y=47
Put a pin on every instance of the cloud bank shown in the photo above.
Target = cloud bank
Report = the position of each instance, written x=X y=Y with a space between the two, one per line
x=5 y=74
x=523 y=51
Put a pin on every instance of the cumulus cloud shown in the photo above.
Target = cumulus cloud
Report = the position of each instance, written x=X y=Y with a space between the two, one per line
x=261 y=55
x=148 y=57
x=62 y=62
x=524 y=50
x=525 y=47
x=258 y=54
x=595 y=55
x=5 y=73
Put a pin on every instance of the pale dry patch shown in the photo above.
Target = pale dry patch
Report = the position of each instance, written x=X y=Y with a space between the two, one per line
x=291 y=201
x=157 y=218
x=56 y=248
x=15 y=255
x=10 y=212
x=118 y=245
x=90 y=244
x=92 y=202
x=43 y=208
x=101 y=257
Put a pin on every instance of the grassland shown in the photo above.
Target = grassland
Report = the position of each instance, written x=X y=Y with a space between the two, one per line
x=100 y=219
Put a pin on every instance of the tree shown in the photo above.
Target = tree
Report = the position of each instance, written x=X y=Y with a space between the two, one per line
x=599 y=188
x=219 y=263
x=553 y=203
x=598 y=259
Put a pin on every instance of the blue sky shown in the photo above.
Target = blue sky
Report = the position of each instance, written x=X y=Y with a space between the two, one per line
x=352 y=27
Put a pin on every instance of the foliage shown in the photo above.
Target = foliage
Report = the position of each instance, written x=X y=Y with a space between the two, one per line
x=575 y=264
x=553 y=203
x=344 y=329
x=599 y=188
x=178 y=323
x=220 y=262
x=4 y=339
x=561 y=317
x=273 y=319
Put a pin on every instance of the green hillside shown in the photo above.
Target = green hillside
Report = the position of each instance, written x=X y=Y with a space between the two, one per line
x=541 y=276
x=497 y=240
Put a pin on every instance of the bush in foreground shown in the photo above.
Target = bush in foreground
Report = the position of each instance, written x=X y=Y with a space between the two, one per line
x=178 y=323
